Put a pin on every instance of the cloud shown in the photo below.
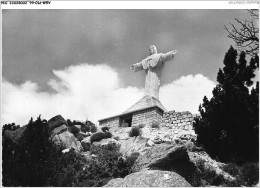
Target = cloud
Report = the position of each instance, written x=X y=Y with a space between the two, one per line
x=186 y=93
x=93 y=92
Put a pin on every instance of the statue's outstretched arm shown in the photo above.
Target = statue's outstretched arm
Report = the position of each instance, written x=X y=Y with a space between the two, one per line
x=137 y=67
x=169 y=55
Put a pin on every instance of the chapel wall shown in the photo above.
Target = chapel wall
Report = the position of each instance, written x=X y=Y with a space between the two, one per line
x=112 y=123
x=147 y=116
x=179 y=121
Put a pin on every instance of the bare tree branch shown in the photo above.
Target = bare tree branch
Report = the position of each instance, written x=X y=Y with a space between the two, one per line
x=245 y=33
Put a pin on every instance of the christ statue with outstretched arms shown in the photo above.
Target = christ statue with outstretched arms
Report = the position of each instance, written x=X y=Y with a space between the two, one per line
x=153 y=66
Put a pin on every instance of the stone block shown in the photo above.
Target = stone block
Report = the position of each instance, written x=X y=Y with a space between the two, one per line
x=179 y=117
x=189 y=115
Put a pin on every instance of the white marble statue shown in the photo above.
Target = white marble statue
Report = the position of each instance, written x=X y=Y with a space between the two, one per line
x=153 y=66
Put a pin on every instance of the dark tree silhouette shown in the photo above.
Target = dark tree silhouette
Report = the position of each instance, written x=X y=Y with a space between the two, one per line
x=228 y=127
x=246 y=33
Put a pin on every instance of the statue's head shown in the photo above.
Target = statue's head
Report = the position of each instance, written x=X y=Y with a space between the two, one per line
x=153 y=49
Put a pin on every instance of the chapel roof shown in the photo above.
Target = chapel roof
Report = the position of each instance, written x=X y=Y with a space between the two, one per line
x=144 y=103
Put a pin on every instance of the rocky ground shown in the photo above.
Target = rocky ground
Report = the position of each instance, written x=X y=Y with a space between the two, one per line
x=163 y=158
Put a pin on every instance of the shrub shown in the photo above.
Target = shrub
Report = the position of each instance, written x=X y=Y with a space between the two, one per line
x=97 y=172
x=93 y=128
x=246 y=175
x=155 y=124
x=96 y=137
x=141 y=125
x=37 y=162
x=90 y=126
x=232 y=169
x=80 y=136
x=69 y=122
x=85 y=128
x=9 y=126
x=74 y=130
x=132 y=158
x=33 y=161
x=104 y=129
x=250 y=174
x=207 y=175
x=135 y=131
x=69 y=169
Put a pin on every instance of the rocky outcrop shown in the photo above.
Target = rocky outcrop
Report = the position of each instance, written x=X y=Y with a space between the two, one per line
x=134 y=144
x=121 y=132
x=150 y=178
x=56 y=121
x=191 y=164
x=107 y=141
x=163 y=157
x=59 y=130
x=67 y=140
x=203 y=161
x=60 y=134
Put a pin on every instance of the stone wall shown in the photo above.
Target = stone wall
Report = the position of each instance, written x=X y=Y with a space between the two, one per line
x=178 y=121
x=112 y=123
x=147 y=116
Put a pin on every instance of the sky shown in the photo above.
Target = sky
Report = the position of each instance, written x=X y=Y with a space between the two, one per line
x=77 y=62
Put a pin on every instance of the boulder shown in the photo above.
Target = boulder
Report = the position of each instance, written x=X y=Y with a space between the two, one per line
x=150 y=178
x=168 y=157
x=117 y=182
x=178 y=158
x=67 y=140
x=56 y=121
x=150 y=143
x=59 y=130
x=78 y=126
x=107 y=141
x=161 y=156
x=121 y=132
x=133 y=144
x=86 y=143
x=146 y=132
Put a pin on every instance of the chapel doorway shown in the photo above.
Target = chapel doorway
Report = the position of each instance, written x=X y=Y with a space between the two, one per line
x=126 y=121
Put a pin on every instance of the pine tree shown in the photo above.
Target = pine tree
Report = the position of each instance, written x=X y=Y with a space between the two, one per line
x=228 y=127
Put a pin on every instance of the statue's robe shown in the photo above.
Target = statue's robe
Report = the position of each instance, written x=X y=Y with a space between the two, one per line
x=153 y=66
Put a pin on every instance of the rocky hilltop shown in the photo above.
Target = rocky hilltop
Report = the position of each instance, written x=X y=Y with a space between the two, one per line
x=163 y=154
